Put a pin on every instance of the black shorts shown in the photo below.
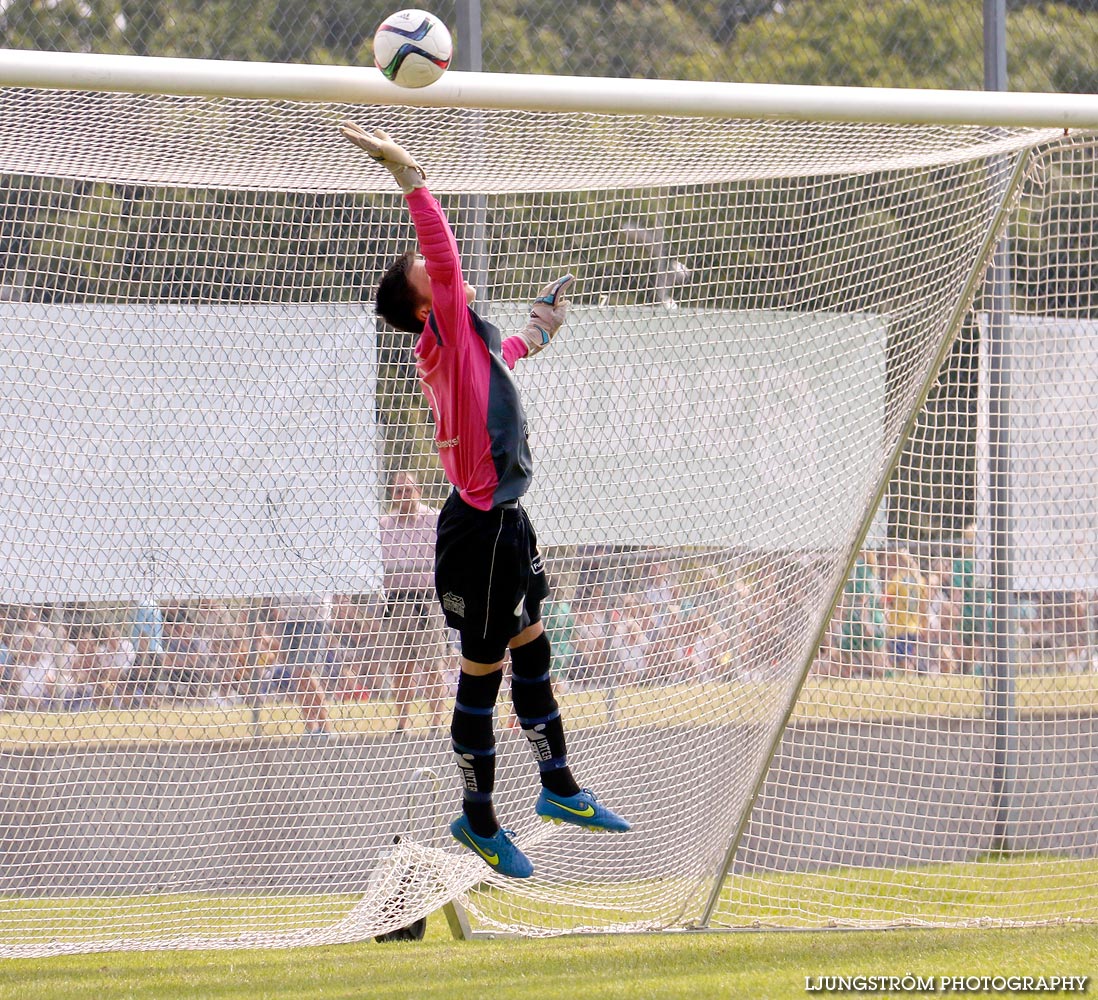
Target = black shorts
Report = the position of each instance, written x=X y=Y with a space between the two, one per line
x=489 y=576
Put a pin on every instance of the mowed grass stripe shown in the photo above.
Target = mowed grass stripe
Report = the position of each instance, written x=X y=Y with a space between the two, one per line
x=622 y=967
x=997 y=889
x=822 y=699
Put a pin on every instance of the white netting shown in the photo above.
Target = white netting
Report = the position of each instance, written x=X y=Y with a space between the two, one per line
x=205 y=435
x=941 y=764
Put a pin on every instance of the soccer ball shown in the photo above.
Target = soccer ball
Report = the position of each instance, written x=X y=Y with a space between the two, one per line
x=412 y=48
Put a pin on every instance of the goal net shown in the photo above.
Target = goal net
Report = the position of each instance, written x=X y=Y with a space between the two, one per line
x=225 y=694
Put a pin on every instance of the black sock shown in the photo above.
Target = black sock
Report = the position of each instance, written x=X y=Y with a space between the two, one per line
x=474 y=743
x=538 y=714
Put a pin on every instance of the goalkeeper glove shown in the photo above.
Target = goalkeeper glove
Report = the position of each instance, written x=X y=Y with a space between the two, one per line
x=547 y=315
x=394 y=158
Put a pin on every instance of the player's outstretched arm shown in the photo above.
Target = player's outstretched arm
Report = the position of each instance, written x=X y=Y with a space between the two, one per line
x=546 y=315
x=436 y=240
x=391 y=155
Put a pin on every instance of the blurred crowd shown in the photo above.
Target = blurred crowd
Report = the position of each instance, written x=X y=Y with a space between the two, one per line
x=309 y=651
x=658 y=620
x=616 y=619
x=934 y=615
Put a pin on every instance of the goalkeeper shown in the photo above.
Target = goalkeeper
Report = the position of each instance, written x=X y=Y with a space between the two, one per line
x=489 y=574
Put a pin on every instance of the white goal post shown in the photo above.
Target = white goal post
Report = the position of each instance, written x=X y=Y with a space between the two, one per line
x=521 y=92
x=761 y=444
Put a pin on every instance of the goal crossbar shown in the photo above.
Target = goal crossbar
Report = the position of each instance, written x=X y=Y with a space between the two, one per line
x=679 y=98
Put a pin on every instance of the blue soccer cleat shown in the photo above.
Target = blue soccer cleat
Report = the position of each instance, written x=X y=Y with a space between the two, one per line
x=582 y=809
x=498 y=851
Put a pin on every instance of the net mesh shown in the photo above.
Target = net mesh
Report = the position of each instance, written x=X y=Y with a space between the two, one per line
x=945 y=736
x=226 y=683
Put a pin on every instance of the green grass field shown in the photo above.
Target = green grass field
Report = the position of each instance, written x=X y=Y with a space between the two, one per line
x=678 y=964
x=822 y=699
x=754 y=966
x=993 y=890
x=675 y=964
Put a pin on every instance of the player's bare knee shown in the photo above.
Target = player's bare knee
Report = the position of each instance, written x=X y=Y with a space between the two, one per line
x=528 y=634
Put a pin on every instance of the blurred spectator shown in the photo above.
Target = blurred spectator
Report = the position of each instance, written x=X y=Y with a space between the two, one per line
x=357 y=621
x=451 y=660
x=146 y=628
x=146 y=631
x=1065 y=629
x=593 y=665
x=189 y=669
x=973 y=602
x=728 y=606
x=64 y=657
x=301 y=624
x=118 y=681
x=668 y=653
x=860 y=621
x=34 y=677
x=219 y=628
x=660 y=611
x=1090 y=603
x=905 y=611
x=688 y=626
x=34 y=618
x=763 y=624
x=630 y=639
x=236 y=666
x=5 y=666
x=739 y=613
x=413 y=633
x=799 y=596
x=1091 y=600
x=943 y=619
x=660 y=596
x=560 y=625
x=1077 y=632
x=256 y=653
x=711 y=651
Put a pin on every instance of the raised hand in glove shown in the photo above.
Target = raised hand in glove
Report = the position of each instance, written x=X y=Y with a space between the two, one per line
x=547 y=314
x=393 y=157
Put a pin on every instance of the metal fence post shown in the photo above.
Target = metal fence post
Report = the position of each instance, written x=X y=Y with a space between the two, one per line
x=1001 y=646
x=472 y=208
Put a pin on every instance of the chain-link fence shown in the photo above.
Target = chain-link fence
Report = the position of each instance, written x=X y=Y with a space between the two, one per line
x=893 y=43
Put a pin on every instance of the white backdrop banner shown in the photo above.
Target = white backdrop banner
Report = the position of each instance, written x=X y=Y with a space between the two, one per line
x=760 y=429
x=1053 y=439
x=180 y=451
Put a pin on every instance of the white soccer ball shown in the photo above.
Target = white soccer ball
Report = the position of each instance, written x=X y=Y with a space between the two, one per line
x=412 y=48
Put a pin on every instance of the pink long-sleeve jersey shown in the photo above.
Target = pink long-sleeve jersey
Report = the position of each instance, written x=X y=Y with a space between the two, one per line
x=465 y=371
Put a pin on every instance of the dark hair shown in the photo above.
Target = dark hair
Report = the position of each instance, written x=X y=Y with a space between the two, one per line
x=177 y=616
x=79 y=630
x=396 y=301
